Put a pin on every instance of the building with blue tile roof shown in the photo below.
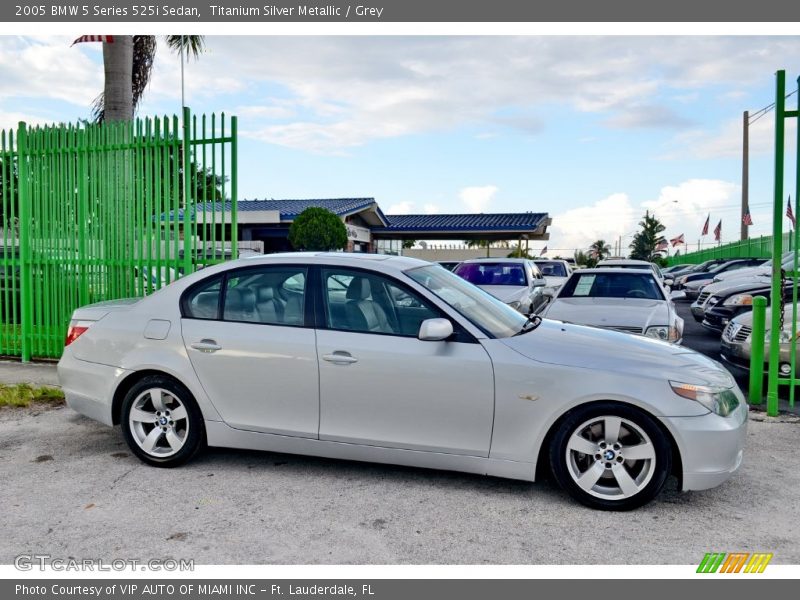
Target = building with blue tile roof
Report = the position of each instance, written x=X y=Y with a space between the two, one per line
x=370 y=230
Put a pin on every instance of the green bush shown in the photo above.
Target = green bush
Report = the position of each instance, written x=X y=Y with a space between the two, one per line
x=317 y=229
x=23 y=394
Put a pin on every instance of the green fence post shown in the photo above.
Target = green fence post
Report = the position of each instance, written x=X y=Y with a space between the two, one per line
x=777 y=250
x=188 y=205
x=26 y=275
x=757 y=351
x=234 y=189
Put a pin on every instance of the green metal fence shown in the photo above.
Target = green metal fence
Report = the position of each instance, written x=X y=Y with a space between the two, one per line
x=760 y=247
x=96 y=212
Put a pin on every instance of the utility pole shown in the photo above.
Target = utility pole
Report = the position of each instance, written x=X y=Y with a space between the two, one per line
x=745 y=170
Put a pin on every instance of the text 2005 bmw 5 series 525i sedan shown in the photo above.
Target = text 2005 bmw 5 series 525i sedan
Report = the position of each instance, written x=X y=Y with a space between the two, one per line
x=395 y=360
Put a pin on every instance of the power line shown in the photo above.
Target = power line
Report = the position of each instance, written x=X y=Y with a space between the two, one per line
x=760 y=113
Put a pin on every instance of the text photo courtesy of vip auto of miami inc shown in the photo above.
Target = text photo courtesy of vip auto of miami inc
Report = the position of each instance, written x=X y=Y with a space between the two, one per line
x=396 y=300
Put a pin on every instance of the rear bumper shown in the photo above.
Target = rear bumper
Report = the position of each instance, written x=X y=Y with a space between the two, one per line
x=89 y=387
x=711 y=446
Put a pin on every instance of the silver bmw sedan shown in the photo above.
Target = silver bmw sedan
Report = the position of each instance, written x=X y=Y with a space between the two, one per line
x=396 y=360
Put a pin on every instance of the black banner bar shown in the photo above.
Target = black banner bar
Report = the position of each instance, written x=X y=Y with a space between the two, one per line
x=710 y=586
x=461 y=11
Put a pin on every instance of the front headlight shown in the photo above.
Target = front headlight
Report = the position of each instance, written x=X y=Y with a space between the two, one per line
x=739 y=300
x=662 y=332
x=719 y=400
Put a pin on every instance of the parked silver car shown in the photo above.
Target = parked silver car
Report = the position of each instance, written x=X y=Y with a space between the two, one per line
x=516 y=281
x=737 y=337
x=623 y=299
x=396 y=360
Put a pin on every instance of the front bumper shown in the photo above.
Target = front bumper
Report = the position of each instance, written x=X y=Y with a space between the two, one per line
x=717 y=318
x=698 y=312
x=89 y=387
x=711 y=446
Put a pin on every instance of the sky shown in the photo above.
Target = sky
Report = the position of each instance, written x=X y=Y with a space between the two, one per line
x=594 y=130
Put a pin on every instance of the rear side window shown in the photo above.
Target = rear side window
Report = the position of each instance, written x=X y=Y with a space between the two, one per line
x=266 y=295
x=202 y=302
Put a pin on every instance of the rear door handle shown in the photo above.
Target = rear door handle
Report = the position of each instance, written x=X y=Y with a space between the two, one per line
x=207 y=346
x=340 y=357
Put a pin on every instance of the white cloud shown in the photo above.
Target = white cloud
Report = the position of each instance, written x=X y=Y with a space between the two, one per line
x=350 y=90
x=48 y=68
x=477 y=199
x=682 y=208
x=726 y=141
x=400 y=208
x=431 y=209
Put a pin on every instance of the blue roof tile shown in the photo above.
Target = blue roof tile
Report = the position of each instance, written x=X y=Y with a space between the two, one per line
x=464 y=222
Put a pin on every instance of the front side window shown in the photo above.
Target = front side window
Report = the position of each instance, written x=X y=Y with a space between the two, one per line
x=484 y=310
x=266 y=295
x=493 y=273
x=371 y=303
x=552 y=268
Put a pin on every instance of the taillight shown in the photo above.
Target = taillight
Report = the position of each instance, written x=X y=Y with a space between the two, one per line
x=76 y=330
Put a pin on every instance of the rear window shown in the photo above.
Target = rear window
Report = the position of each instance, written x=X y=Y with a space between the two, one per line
x=493 y=273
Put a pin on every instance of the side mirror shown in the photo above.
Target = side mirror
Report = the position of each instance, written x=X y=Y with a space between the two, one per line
x=539 y=282
x=677 y=295
x=435 y=330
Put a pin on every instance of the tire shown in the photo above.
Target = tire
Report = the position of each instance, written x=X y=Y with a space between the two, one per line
x=161 y=422
x=623 y=472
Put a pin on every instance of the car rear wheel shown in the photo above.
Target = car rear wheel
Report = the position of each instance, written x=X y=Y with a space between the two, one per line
x=610 y=456
x=161 y=422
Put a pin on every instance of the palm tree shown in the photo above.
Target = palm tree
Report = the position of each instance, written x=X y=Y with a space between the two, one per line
x=645 y=243
x=128 y=65
x=599 y=250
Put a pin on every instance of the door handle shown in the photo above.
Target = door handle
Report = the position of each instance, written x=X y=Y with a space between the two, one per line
x=340 y=357
x=207 y=346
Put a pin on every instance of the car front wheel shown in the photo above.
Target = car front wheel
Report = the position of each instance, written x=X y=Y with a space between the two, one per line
x=610 y=456
x=161 y=422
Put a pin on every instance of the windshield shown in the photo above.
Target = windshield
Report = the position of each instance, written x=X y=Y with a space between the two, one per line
x=484 y=310
x=551 y=268
x=493 y=273
x=612 y=285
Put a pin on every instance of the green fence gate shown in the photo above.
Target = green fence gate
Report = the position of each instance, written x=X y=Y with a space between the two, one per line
x=94 y=212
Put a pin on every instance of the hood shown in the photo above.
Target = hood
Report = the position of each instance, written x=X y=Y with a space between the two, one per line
x=506 y=293
x=748 y=272
x=570 y=345
x=552 y=281
x=733 y=286
x=610 y=312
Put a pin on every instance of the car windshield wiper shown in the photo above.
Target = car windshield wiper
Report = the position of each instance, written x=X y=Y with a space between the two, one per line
x=531 y=323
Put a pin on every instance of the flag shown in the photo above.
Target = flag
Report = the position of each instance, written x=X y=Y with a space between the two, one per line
x=705 y=227
x=662 y=246
x=790 y=212
x=718 y=231
x=109 y=39
x=747 y=219
x=543 y=252
x=677 y=240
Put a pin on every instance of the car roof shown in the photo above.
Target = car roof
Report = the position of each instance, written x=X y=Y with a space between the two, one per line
x=496 y=260
x=386 y=261
x=619 y=270
x=625 y=261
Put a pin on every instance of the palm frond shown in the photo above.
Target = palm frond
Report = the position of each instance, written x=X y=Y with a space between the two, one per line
x=144 y=53
x=193 y=45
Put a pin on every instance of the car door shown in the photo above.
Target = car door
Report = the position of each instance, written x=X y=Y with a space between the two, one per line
x=380 y=385
x=246 y=336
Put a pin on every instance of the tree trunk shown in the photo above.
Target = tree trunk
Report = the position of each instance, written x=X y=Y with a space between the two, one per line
x=118 y=64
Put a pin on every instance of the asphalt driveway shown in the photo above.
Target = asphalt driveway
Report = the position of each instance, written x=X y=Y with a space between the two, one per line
x=71 y=488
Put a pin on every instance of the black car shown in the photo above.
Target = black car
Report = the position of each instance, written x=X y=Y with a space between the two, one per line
x=703 y=267
x=736 y=303
x=723 y=267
